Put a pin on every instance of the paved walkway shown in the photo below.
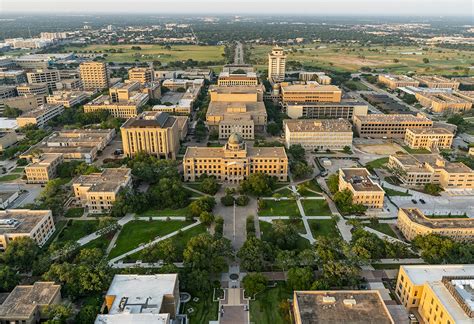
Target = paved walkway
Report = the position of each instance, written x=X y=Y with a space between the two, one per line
x=121 y=265
x=384 y=236
x=144 y=246
x=88 y=238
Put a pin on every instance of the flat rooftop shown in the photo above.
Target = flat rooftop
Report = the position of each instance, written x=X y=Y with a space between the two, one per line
x=433 y=78
x=218 y=152
x=45 y=160
x=419 y=274
x=431 y=131
x=220 y=108
x=360 y=179
x=318 y=125
x=23 y=300
x=416 y=163
x=43 y=109
x=310 y=88
x=107 y=181
x=237 y=89
x=355 y=307
x=392 y=118
x=20 y=220
x=246 y=75
x=399 y=77
x=418 y=217
x=151 y=119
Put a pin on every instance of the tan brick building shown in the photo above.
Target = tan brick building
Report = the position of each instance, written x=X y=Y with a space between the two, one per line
x=443 y=102
x=394 y=81
x=156 y=133
x=40 y=116
x=50 y=77
x=141 y=74
x=412 y=222
x=235 y=161
x=236 y=79
x=67 y=98
x=313 y=92
x=277 y=64
x=364 y=190
x=421 y=169
x=35 y=224
x=388 y=126
x=43 y=169
x=98 y=191
x=428 y=138
x=94 y=75
x=436 y=82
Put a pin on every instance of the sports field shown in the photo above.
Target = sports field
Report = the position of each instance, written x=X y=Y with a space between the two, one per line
x=148 y=53
x=396 y=59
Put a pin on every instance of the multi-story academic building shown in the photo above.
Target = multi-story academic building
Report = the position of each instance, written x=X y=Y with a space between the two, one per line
x=388 y=126
x=364 y=190
x=237 y=79
x=436 y=82
x=439 y=294
x=43 y=169
x=428 y=138
x=394 y=81
x=50 y=77
x=420 y=169
x=156 y=133
x=412 y=222
x=235 y=161
x=323 y=110
x=67 y=98
x=313 y=92
x=276 y=64
x=443 y=102
x=97 y=192
x=35 y=224
x=94 y=75
x=140 y=74
x=319 y=134
x=320 y=77
x=23 y=102
x=40 y=116
x=39 y=89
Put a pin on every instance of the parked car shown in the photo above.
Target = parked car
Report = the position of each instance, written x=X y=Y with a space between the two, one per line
x=422 y=201
x=414 y=201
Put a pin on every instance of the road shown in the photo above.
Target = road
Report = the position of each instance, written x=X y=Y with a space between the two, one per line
x=239 y=53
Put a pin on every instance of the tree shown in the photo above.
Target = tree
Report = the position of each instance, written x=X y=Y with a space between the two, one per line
x=200 y=205
x=206 y=218
x=11 y=112
x=297 y=152
x=8 y=278
x=347 y=149
x=284 y=235
x=209 y=185
x=300 y=278
x=426 y=60
x=254 y=254
x=440 y=249
x=258 y=184
x=339 y=274
x=242 y=200
x=300 y=169
x=203 y=252
x=87 y=314
x=286 y=259
x=20 y=253
x=343 y=200
x=432 y=189
x=333 y=183
x=273 y=129
x=227 y=200
x=254 y=283
x=58 y=313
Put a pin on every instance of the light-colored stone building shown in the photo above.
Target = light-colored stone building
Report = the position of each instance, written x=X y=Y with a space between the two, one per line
x=443 y=102
x=39 y=89
x=235 y=161
x=236 y=79
x=23 y=102
x=40 y=116
x=98 y=191
x=312 y=92
x=50 y=77
x=320 y=134
x=43 y=169
x=421 y=169
x=428 y=138
x=364 y=190
x=436 y=81
x=388 y=126
x=412 y=222
x=277 y=64
x=394 y=81
x=35 y=224
x=67 y=98
x=345 y=109
x=141 y=74
x=94 y=75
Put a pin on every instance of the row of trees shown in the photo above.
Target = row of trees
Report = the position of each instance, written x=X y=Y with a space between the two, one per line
x=343 y=199
x=298 y=165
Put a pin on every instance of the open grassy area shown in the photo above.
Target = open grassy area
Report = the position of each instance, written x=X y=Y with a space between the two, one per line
x=204 y=310
x=416 y=151
x=356 y=85
x=376 y=164
x=10 y=177
x=284 y=192
x=59 y=228
x=150 y=53
x=313 y=207
x=135 y=233
x=74 y=212
x=100 y=242
x=394 y=59
x=383 y=228
x=279 y=208
x=323 y=227
x=165 y=212
x=18 y=170
x=77 y=229
x=264 y=309
x=391 y=192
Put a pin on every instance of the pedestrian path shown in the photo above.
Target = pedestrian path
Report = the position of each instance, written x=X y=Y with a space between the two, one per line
x=89 y=238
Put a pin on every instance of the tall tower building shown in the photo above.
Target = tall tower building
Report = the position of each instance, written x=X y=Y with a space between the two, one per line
x=94 y=75
x=276 y=64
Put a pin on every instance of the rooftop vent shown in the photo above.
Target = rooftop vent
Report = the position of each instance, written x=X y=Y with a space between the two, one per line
x=350 y=302
x=329 y=300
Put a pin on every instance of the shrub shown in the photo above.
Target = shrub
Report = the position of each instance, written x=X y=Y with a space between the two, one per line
x=227 y=200
x=242 y=200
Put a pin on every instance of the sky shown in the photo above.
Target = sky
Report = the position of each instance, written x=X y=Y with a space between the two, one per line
x=259 y=7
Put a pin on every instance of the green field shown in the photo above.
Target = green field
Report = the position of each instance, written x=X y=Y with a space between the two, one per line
x=135 y=233
x=150 y=53
x=279 y=208
x=391 y=192
x=313 y=207
x=74 y=212
x=77 y=229
x=204 y=311
x=10 y=177
x=350 y=58
x=264 y=309
x=165 y=212
x=383 y=228
x=323 y=227
x=376 y=164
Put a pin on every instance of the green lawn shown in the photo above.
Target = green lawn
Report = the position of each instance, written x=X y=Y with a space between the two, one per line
x=74 y=212
x=77 y=229
x=376 y=164
x=193 y=193
x=264 y=309
x=165 y=212
x=135 y=233
x=150 y=53
x=416 y=151
x=307 y=193
x=357 y=85
x=316 y=207
x=391 y=192
x=284 y=192
x=323 y=227
x=59 y=227
x=205 y=309
x=18 y=170
x=313 y=185
x=280 y=185
x=101 y=242
x=10 y=177
x=383 y=228
x=280 y=208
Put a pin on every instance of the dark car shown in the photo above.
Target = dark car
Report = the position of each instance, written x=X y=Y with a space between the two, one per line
x=414 y=201
x=422 y=201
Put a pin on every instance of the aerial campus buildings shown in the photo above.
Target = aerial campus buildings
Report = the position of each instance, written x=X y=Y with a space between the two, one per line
x=364 y=190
